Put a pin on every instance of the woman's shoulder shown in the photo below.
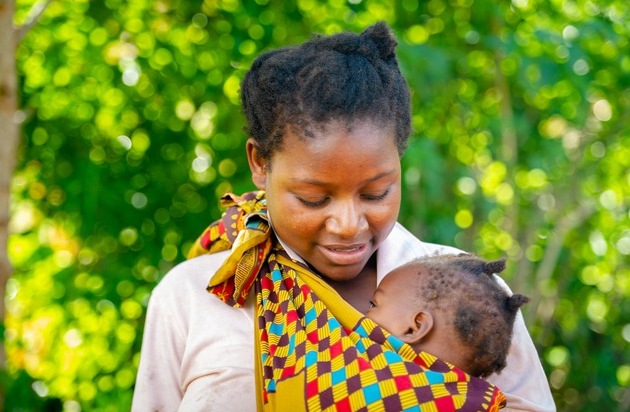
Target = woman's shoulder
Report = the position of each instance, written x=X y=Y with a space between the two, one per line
x=401 y=238
x=190 y=275
x=182 y=297
x=402 y=246
x=191 y=269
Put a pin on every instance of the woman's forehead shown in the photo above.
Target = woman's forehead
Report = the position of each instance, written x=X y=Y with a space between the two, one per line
x=359 y=136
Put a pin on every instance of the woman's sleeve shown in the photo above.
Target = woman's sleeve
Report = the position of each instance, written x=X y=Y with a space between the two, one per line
x=158 y=381
x=523 y=381
x=197 y=352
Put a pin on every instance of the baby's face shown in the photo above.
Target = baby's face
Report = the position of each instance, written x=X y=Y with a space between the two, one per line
x=395 y=301
x=395 y=306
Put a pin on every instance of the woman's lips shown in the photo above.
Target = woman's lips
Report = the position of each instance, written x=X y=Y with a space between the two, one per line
x=345 y=254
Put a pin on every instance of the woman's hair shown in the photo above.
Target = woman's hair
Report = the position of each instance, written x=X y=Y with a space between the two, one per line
x=344 y=77
x=483 y=311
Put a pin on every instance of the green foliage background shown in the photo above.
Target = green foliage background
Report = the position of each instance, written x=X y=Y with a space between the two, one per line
x=132 y=128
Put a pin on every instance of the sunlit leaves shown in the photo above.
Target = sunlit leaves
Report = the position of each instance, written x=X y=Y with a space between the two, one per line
x=560 y=204
x=132 y=130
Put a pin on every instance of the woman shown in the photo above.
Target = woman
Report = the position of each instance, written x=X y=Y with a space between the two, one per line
x=328 y=121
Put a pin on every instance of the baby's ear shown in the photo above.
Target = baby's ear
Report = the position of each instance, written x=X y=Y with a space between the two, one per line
x=419 y=326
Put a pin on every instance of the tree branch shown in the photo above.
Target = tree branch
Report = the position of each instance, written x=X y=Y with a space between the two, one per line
x=31 y=19
x=567 y=223
x=549 y=262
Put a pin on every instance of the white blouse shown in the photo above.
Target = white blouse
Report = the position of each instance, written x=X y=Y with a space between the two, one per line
x=198 y=353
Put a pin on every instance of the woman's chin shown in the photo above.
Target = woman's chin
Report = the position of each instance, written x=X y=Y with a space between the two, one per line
x=336 y=273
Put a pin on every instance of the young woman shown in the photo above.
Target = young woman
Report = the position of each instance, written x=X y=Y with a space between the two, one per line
x=328 y=121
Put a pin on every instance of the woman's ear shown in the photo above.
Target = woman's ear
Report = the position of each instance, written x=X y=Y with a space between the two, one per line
x=257 y=164
x=419 y=327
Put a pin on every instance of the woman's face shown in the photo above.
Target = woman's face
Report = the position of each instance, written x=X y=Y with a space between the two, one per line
x=333 y=197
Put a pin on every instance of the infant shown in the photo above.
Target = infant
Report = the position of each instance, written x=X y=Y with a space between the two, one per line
x=451 y=306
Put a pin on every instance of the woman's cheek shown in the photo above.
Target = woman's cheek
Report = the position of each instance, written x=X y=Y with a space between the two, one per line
x=303 y=221
x=386 y=216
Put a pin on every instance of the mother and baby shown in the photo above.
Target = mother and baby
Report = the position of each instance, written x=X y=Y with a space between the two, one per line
x=307 y=294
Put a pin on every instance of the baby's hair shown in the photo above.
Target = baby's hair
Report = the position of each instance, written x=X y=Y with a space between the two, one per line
x=483 y=310
x=344 y=77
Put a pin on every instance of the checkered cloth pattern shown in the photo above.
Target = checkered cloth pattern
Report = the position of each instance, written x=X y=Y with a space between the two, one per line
x=317 y=353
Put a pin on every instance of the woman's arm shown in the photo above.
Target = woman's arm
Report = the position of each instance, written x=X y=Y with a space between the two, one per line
x=197 y=353
x=157 y=384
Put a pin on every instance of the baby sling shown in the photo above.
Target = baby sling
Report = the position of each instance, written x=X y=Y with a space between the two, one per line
x=315 y=352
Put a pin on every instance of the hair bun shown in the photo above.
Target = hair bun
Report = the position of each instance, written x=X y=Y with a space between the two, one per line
x=381 y=37
x=515 y=301
x=496 y=266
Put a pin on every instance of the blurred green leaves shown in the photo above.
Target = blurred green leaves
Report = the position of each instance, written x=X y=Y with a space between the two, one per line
x=132 y=129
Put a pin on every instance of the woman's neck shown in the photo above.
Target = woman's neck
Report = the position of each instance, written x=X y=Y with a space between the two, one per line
x=358 y=291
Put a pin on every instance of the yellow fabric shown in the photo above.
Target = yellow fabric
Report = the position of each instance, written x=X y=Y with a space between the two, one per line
x=314 y=351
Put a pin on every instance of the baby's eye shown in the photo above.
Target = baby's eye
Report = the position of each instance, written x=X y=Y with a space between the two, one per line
x=372 y=304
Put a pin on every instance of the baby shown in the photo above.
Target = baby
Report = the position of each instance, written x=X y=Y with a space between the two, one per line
x=452 y=307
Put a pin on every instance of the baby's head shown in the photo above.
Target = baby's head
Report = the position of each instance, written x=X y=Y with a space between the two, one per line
x=345 y=78
x=452 y=307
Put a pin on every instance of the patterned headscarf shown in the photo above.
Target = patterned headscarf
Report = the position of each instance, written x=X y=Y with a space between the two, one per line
x=315 y=352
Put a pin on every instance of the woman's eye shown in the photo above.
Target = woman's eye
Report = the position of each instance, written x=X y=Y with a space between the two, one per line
x=372 y=304
x=311 y=203
x=377 y=196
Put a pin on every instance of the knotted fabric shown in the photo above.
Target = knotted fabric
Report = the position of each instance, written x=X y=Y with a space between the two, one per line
x=314 y=351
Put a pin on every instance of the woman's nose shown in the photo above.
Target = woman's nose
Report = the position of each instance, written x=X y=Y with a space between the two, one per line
x=347 y=219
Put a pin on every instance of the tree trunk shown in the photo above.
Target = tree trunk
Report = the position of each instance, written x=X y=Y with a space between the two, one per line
x=9 y=138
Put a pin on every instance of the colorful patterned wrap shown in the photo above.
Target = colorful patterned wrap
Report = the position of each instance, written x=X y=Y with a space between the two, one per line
x=315 y=352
